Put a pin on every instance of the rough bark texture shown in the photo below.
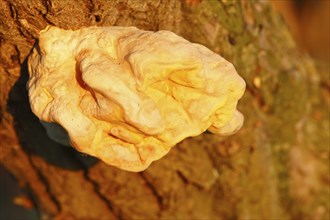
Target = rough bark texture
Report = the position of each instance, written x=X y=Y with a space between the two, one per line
x=276 y=167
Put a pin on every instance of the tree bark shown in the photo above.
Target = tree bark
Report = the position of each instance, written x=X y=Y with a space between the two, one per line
x=276 y=167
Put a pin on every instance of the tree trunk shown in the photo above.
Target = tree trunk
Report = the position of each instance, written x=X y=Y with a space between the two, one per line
x=276 y=167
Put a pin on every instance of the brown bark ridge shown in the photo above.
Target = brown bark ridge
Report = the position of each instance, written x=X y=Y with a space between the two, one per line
x=276 y=167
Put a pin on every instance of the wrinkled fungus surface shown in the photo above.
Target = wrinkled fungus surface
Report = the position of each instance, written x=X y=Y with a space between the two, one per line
x=126 y=95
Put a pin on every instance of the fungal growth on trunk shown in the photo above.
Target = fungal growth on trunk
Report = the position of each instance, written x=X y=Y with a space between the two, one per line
x=126 y=95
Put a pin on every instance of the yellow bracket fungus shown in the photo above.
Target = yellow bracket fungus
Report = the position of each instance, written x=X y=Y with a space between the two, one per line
x=126 y=95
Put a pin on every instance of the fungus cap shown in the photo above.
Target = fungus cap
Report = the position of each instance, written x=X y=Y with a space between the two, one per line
x=126 y=95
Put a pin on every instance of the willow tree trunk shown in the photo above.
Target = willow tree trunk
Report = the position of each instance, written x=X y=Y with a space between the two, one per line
x=275 y=167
